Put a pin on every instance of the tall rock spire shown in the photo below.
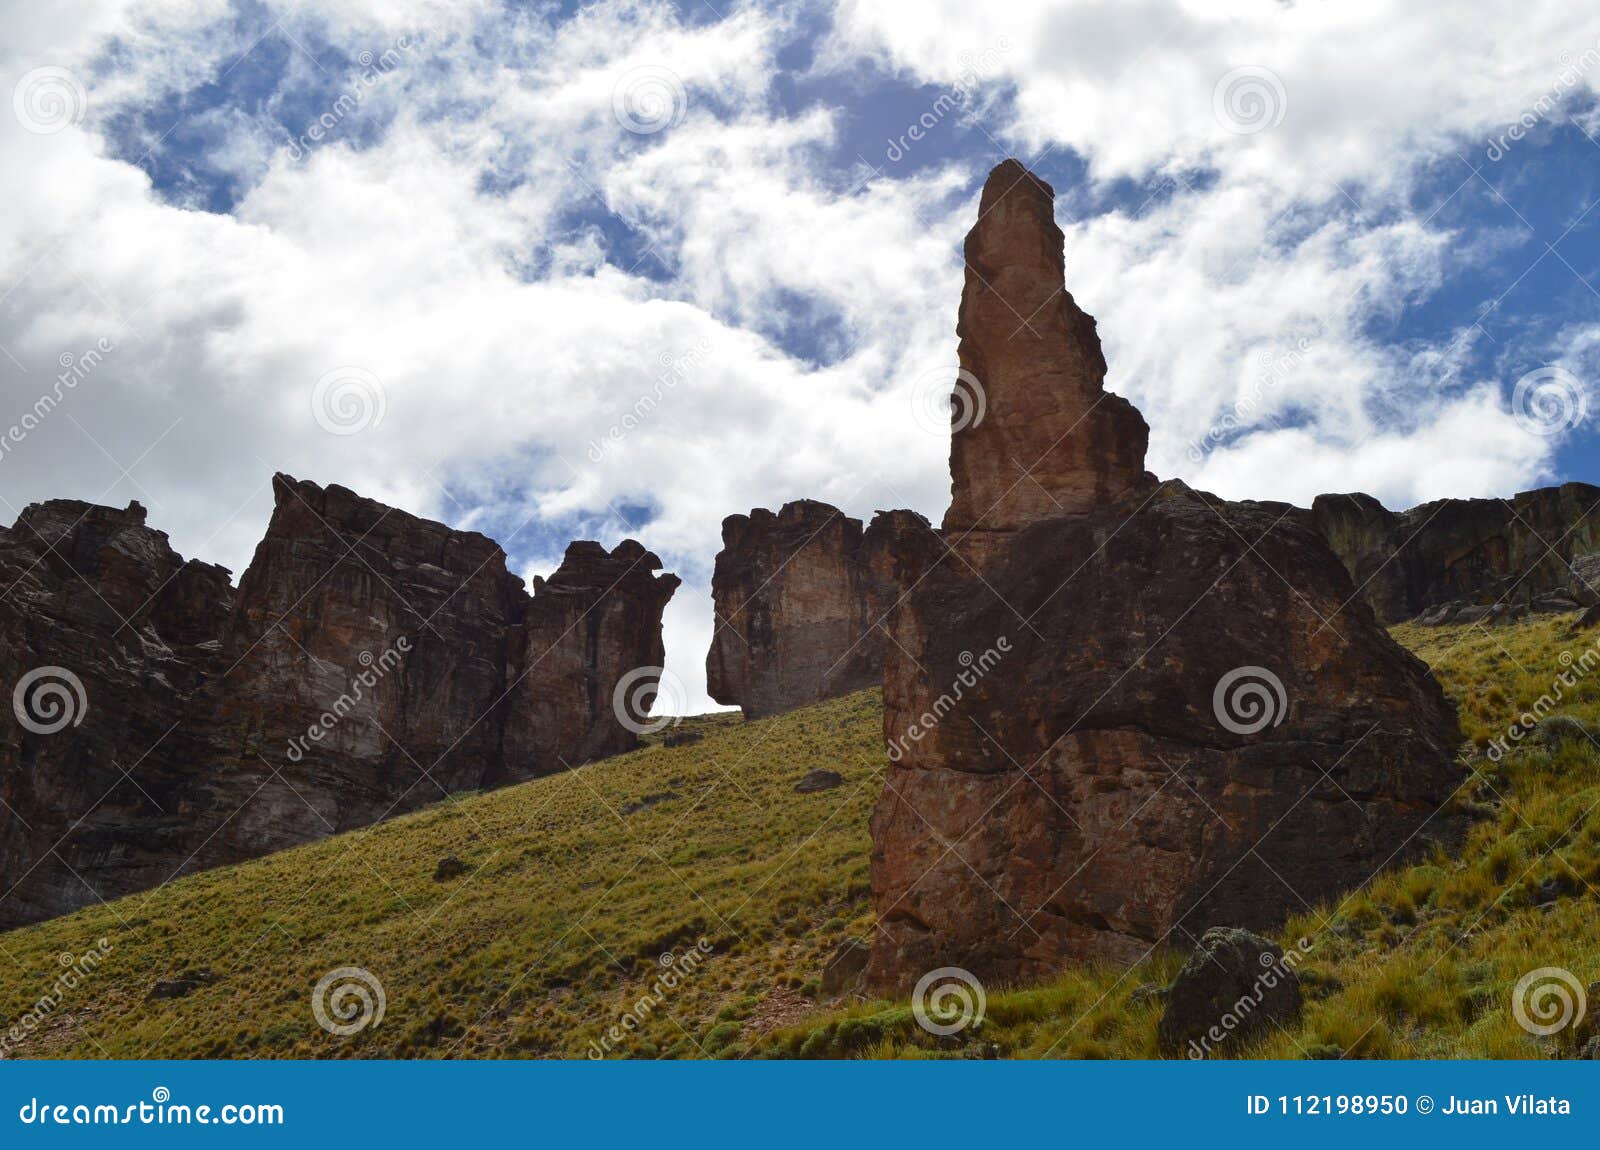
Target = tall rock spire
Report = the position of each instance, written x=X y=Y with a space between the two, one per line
x=1046 y=438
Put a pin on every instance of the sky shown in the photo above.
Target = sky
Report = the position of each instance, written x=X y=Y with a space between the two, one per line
x=563 y=271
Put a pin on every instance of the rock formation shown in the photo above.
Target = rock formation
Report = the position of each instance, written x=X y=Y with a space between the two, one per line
x=1461 y=559
x=1144 y=715
x=800 y=600
x=591 y=625
x=105 y=636
x=1034 y=432
x=370 y=662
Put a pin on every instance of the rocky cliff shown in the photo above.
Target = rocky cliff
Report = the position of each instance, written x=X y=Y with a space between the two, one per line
x=800 y=600
x=105 y=639
x=369 y=662
x=1148 y=715
x=1464 y=559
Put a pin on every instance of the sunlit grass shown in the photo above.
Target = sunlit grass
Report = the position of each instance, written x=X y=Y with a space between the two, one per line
x=1420 y=963
x=559 y=925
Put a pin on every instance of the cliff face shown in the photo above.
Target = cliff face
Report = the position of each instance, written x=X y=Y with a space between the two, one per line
x=800 y=597
x=1138 y=721
x=105 y=639
x=592 y=630
x=370 y=662
x=1539 y=550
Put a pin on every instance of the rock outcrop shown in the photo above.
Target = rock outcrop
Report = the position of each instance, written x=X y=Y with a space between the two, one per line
x=594 y=624
x=105 y=639
x=1143 y=715
x=369 y=662
x=1466 y=558
x=1034 y=433
x=800 y=600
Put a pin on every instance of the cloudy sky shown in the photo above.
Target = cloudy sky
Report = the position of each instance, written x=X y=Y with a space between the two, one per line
x=439 y=253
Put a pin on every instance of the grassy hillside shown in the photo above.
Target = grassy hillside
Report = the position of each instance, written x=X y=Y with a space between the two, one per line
x=573 y=906
x=558 y=924
x=1419 y=964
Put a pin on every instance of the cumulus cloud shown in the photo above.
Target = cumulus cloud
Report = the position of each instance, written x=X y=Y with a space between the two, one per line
x=599 y=278
x=1284 y=146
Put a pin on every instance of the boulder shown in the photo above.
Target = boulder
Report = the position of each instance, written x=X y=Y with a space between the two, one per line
x=1235 y=986
x=818 y=780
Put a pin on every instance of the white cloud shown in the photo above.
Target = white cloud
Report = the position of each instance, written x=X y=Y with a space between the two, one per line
x=463 y=259
x=1300 y=235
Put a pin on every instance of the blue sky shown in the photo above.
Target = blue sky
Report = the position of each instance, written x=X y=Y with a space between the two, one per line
x=522 y=220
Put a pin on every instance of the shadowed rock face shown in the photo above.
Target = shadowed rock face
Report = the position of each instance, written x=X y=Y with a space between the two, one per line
x=117 y=631
x=370 y=662
x=587 y=627
x=800 y=597
x=1539 y=550
x=1076 y=769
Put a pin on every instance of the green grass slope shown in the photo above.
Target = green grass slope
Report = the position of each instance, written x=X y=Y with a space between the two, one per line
x=697 y=926
x=1420 y=963
x=558 y=925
